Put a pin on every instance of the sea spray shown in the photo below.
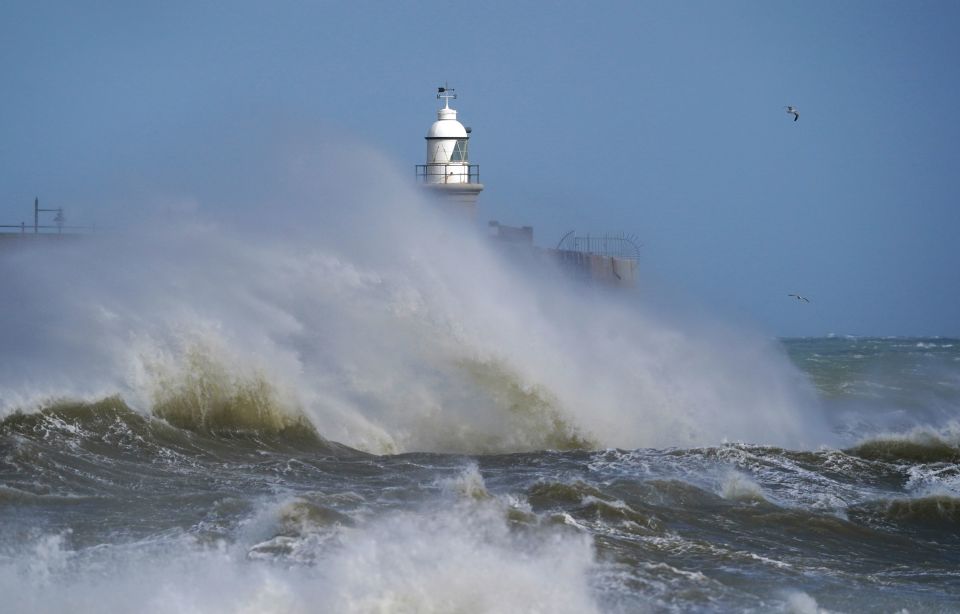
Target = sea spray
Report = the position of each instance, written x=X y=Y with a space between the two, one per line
x=204 y=396
x=388 y=326
x=737 y=486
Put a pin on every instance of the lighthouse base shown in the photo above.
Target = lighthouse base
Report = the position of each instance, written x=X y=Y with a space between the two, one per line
x=461 y=197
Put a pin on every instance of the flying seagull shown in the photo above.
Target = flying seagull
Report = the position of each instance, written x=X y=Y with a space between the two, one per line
x=800 y=298
x=793 y=111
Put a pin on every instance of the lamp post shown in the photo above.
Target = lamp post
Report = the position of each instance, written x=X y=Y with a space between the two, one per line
x=36 y=216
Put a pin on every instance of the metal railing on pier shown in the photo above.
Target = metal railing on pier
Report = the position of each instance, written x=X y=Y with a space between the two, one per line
x=58 y=227
x=24 y=228
x=618 y=245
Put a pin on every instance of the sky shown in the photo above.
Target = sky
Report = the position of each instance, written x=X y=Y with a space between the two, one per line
x=663 y=120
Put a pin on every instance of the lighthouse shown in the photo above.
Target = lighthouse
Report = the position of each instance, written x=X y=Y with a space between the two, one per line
x=448 y=173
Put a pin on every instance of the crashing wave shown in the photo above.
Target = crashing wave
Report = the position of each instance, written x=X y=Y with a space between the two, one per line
x=920 y=445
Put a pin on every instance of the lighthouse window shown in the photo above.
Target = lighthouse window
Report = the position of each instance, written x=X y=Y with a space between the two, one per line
x=459 y=151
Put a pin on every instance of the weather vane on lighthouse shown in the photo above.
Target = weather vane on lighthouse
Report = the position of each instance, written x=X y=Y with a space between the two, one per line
x=446 y=92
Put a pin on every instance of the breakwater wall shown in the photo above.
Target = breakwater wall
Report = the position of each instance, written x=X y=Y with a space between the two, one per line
x=595 y=268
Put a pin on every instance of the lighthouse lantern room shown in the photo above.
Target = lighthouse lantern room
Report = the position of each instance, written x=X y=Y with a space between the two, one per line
x=448 y=172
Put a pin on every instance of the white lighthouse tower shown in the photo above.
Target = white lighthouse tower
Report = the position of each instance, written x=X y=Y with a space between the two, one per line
x=448 y=173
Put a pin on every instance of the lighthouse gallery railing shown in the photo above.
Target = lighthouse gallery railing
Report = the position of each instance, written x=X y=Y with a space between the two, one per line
x=427 y=172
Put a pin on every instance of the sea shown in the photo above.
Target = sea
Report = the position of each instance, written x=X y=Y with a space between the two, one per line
x=205 y=423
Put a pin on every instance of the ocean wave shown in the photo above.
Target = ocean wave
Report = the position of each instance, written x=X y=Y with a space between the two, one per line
x=616 y=511
x=578 y=502
x=296 y=530
x=12 y=495
x=940 y=513
x=925 y=510
x=545 y=494
x=468 y=484
x=108 y=419
x=532 y=414
x=920 y=445
x=185 y=426
x=203 y=396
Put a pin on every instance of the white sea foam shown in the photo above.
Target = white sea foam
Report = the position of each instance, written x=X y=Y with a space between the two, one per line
x=459 y=559
x=799 y=602
x=739 y=486
x=467 y=484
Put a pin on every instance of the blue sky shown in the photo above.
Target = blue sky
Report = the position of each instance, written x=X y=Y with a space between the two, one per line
x=661 y=119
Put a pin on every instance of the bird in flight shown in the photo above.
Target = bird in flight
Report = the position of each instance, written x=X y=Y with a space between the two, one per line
x=800 y=298
x=793 y=111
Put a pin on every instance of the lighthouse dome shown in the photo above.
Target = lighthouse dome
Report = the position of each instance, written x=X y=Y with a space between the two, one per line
x=447 y=126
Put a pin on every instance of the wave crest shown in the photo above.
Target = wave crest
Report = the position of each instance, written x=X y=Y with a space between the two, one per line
x=68 y=417
x=204 y=397
x=935 y=510
x=531 y=415
x=937 y=513
x=917 y=446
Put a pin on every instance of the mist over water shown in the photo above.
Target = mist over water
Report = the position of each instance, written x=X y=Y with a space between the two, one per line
x=347 y=299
